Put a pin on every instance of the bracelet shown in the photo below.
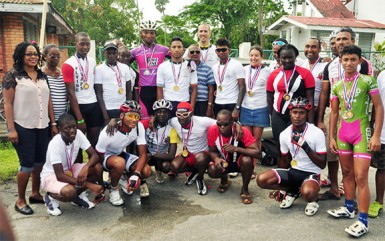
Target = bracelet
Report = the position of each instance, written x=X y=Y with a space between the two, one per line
x=54 y=124
x=80 y=121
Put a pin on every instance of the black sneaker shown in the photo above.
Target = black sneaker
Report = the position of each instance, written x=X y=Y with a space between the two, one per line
x=201 y=185
x=83 y=202
x=191 y=178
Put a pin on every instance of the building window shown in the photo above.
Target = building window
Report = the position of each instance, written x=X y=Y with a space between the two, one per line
x=30 y=31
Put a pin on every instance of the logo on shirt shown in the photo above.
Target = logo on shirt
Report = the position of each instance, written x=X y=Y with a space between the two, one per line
x=152 y=61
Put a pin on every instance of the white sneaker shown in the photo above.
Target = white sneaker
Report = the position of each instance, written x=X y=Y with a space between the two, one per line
x=115 y=198
x=53 y=205
x=233 y=174
x=287 y=202
x=311 y=208
x=83 y=202
x=123 y=185
x=144 y=192
x=159 y=178
x=341 y=212
x=357 y=229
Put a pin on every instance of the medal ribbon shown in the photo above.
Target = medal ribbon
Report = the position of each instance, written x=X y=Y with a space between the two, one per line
x=222 y=75
x=296 y=148
x=221 y=144
x=158 y=142
x=117 y=73
x=69 y=156
x=286 y=82
x=341 y=71
x=315 y=63
x=83 y=71
x=176 y=80
x=251 y=81
x=145 y=55
x=185 y=141
x=348 y=99
x=204 y=58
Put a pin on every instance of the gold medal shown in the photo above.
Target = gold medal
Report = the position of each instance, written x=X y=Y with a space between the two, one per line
x=286 y=97
x=250 y=93
x=86 y=86
x=349 y=114
x=69 y=173
x=220 y=88
x=120 y=90
x=224 y=164
x=176 y=88
x=185 y=153
x=293 y=163
x=146 y=72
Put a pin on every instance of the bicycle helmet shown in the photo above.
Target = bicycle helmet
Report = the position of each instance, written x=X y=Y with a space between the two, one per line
x=300 y=103
x=162 y=104
x=148 y=25
x=130 y=106
x=333 y=34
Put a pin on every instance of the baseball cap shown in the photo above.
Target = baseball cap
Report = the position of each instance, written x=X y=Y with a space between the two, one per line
x=184 y=106
x=109 y=46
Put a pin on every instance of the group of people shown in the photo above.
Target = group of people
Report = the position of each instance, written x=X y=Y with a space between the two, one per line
x=127 y=121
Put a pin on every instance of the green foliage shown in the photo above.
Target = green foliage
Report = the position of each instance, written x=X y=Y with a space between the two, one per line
x=175 y=26
x=9 y=162
x=101 y=19
x=379 y=58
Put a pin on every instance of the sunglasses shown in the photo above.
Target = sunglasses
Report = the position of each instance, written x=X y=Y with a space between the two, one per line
x=221 y=50
x=133 y=116
x=32 y=54
x=182 y=114
x=195 y=52
x=52 y=56
x=225 y=124
x=278 y=43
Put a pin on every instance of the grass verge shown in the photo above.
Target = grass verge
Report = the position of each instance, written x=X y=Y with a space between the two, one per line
x=9 y=162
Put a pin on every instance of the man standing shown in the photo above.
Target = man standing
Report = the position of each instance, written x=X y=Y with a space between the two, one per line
x=206 y=83
x=79 y=78
x=303 y=149
x=230 y=155
x=177 y=77
x=276 y=45
x=113 y=81
x=333 y=73
x=149 y=55
x=230 y=79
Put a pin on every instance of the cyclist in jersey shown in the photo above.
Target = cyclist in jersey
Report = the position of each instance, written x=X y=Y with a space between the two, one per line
x=304 y=151
x=149 y=55
x=354 y=142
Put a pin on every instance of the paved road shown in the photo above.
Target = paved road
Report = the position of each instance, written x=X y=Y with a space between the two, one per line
x=176 y=212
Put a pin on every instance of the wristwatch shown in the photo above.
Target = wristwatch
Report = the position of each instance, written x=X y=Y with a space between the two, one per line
x=237 y=107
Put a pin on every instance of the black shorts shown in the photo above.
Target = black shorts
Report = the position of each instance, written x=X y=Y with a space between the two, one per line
x=148 y=96
x=294 y=178
x=378 y=158
x=200 y=108
x=92 y=114
x=114 y=114
x=279 y=123
x=218 y=107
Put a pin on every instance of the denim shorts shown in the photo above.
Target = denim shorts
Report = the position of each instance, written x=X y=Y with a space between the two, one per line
x=256 y=117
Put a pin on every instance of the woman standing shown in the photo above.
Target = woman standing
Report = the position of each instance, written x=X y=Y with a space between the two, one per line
x=254 y=111
x=28 y=110
x=55 y=80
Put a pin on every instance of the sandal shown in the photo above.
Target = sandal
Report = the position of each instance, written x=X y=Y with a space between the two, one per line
x=223 y=187
x=311 y=208
x=328 y=195
x=374 y=209
x=357 y=229
x=246 y=198
x=273 y=194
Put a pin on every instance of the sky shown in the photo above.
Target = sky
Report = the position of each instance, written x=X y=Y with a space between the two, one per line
x=174 y=7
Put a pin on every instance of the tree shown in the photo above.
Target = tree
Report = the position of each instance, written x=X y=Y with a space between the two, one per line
x=101 y=19
x=176 y=26
x=161 y=7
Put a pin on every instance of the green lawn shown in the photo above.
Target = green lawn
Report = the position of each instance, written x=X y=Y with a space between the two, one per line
x=9 y=162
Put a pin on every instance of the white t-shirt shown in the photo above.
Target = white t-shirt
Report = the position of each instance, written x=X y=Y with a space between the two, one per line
x=72 y=73
x=107 y=76
x=316 y=140
x=57 y=152
x=116 y=144
x=381 y=88
x=230 y=90
x=167 y=77
x=258 y=98
x=197 y=140
x=317 y=71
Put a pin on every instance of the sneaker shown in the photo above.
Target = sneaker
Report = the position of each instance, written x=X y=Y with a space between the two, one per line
x=311 y=208
x=287 y=201
x=374 y=209
x=201 y=185
x=191 y=178
x=53 y=206
x=83 y=202
x=357 y=229
x=233 y=174
x=325 y=182
x=123 y=185
x=115 y=198
x=341 y=212
x=159 y=178
x=144 y=192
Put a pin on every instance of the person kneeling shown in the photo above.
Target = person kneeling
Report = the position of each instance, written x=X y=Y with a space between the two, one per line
x=306 y=144
x=119 y=163
x=64 y=180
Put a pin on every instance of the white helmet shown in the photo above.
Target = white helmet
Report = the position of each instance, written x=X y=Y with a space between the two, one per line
x=148 y=25
x=162 y=104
